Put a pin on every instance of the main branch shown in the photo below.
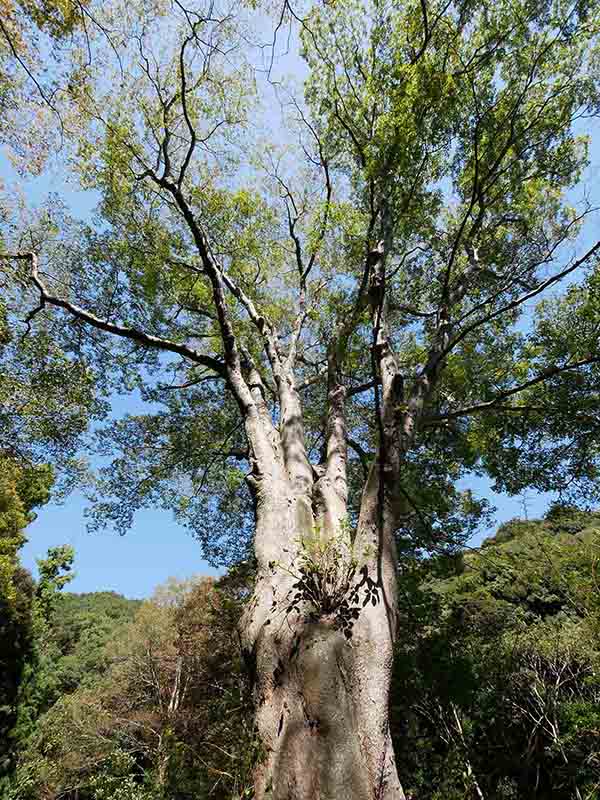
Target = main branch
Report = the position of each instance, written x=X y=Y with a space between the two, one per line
x=124 y=331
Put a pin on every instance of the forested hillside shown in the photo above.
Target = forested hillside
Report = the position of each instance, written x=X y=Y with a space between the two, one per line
x=497 y=685
x=143 y=700
x=496 y=690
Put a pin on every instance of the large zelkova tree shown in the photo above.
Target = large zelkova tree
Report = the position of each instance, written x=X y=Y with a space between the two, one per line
x=335 y=326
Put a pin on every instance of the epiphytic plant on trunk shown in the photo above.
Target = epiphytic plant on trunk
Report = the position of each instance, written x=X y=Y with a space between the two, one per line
x=333 y=331
x=326 y=581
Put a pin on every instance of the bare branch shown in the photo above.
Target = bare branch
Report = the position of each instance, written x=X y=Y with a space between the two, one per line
x=362 y=455
x=520 y=300
x=38 y=86
x=142 y=338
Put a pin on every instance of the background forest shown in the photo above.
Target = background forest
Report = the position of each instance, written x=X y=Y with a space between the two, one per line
x=496 y=690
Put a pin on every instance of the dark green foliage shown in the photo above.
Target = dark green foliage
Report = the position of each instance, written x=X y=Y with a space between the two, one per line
x=16 y=641
x=67 y=636
x=39 y=661
x=22 y=488
x=82 y=626
x=497 y=683
x=160 y=710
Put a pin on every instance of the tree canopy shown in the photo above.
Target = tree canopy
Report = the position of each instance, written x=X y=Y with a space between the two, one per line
x=453 y=133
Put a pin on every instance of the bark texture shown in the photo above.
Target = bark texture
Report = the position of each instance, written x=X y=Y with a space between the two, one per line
x=321 y=697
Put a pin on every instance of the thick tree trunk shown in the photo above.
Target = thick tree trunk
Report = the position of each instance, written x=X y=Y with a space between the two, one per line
x=321 y=696
x=318 y=634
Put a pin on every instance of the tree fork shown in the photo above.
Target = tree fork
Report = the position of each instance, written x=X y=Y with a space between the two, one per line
x=321 y=694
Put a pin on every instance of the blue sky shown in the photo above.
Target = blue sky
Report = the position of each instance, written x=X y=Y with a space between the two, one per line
x=154 y=550
x=157 y=547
